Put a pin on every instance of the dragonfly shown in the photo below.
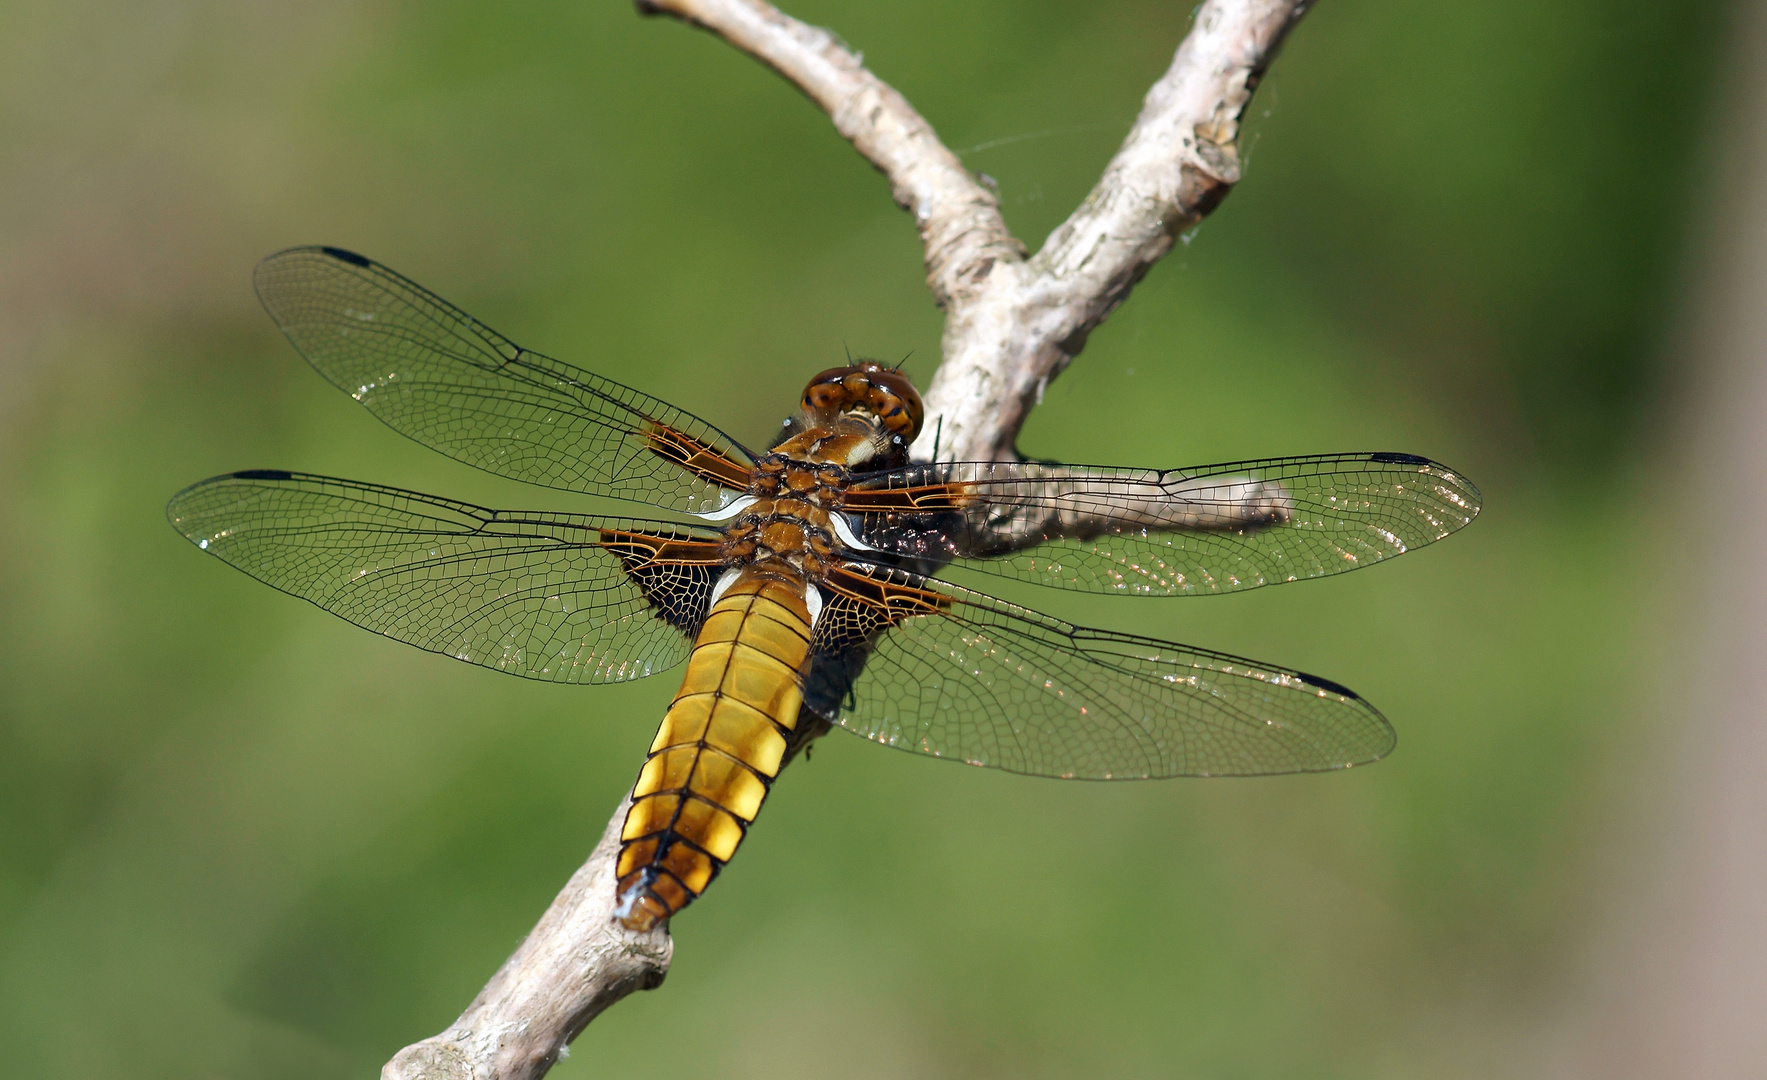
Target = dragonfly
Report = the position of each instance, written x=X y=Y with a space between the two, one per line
x=803 y=587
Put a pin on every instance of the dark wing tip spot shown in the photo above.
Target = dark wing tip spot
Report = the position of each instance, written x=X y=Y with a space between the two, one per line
x=262 y=474
x=347 y=256
x=1327 y=684
x=1399 y=459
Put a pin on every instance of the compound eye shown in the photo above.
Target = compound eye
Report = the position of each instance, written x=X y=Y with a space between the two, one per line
x=822 y=397
x=888 y=408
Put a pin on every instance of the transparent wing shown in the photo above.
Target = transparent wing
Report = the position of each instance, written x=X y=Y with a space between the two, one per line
x=560 y=597
x=1207 y=529
x=441 y=377
x=924 y=666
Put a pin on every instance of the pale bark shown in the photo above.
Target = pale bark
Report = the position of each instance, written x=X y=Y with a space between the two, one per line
x=574 y=964
x=1012 y=324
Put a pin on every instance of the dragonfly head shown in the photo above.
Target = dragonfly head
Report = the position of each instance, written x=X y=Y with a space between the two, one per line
x=886 y=396
x=868 y=392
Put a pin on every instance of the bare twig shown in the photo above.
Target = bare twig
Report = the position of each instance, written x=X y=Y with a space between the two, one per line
x=1012 y=324
x=574 y=964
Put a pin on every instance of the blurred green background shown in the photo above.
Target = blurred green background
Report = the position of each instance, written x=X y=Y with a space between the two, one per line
x=240 y=838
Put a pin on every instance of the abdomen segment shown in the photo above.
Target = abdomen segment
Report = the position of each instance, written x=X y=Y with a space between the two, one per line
x=720 y=746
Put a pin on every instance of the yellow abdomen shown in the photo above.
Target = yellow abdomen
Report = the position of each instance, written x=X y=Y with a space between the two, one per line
x=720 y=746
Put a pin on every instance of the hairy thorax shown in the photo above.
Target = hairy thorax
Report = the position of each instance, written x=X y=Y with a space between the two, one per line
x=797 y=490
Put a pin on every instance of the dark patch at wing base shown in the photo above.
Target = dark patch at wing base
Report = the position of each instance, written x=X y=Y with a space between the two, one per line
x=676 y=575
x=860 y=606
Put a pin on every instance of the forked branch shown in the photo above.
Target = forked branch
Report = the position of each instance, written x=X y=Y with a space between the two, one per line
x=1017 y=332
x=1012 y=324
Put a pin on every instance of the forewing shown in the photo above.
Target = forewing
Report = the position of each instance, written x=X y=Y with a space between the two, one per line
x=1208 y=529
x=560 y=597
x=436 y=374
x=928 y=667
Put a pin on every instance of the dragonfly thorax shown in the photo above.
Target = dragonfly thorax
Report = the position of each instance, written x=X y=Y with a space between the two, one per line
x=790 y=523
